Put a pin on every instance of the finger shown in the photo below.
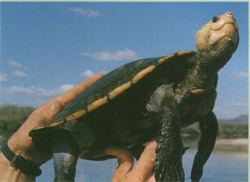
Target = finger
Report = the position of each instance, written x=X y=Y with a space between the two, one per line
x=71 y=94
x=125 y=160
x=145 y=164
x=54 y=106
x=151 y=179
x=47 y=111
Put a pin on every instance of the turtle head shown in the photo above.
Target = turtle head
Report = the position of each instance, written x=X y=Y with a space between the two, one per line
x=218 y=39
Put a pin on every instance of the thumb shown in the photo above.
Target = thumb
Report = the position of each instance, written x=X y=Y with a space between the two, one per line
x=145 y=164
x=125 y=160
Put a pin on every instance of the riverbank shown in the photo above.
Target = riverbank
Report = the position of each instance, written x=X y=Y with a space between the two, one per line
x=232 y=145
x=222 y=144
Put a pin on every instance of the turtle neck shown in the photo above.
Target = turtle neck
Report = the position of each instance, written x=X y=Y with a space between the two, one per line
x=201 y=75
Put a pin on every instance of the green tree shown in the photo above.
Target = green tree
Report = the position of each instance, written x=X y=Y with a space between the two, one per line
x=11 y=118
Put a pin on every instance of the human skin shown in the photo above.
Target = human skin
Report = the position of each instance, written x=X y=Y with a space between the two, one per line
x=142 y=171
x=21 y=144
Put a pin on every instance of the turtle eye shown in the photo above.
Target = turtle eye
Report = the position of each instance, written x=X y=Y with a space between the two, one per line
x=215 y=19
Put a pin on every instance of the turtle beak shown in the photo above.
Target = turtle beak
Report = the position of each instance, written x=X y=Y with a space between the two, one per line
x=224 y=26
x=222 y=20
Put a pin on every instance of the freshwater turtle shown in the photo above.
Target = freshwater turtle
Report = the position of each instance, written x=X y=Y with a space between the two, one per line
x=146 y=99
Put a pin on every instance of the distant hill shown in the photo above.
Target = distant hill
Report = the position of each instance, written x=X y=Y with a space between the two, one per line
x=241 y=119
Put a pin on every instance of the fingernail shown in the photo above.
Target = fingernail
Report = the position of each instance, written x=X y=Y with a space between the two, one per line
x=54 y=106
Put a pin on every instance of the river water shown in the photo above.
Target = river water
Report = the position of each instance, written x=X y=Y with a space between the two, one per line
x=221 y=167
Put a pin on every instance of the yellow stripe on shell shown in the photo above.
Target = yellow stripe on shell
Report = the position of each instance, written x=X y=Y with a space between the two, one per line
x=143 y=73
x=162 y=60
x=38 y=128
x=119 y=90
x=197 y=91
x=180 y=53
x=76 y=115
x=96 y=104
x=56 y=123
x=50 y=125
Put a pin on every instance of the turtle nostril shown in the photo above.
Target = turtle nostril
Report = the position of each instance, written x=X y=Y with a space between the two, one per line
x=215 y=19
x=229 y=13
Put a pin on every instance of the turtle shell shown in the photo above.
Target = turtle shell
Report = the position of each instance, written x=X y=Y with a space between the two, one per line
x=114 y=84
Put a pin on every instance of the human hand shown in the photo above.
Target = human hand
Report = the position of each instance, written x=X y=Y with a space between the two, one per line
x=21 y=143
x=143 y=169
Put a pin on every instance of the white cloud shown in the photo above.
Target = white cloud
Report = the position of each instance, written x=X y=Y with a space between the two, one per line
x=84 y=12
x=19 y=73
x=28 y=91
x=240 y=104
x=38 y=91
x=15 y=64
x=121 y=55
x=18 y=69
x=239 y=74
x=65 y=87
x=87 y=73
x=3 y=78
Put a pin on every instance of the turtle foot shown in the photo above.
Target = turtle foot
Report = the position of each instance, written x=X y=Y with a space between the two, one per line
x=196 y=174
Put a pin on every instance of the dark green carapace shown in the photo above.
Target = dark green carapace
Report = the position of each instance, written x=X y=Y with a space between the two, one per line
x=144 y=100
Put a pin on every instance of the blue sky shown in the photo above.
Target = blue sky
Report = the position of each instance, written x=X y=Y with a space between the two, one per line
x=47 y=48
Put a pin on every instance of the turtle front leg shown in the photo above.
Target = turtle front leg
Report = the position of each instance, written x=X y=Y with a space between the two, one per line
x=168 y=162
x=65 y=155
x=209 y=131
x=64 y=165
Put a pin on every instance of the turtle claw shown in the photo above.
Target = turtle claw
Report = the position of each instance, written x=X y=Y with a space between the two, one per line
x=184 y=150
x=170 y=173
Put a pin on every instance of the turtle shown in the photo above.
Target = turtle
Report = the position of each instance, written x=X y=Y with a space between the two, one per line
x=151 y=98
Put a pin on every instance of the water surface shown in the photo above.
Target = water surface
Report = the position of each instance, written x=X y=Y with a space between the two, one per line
x=221 y=167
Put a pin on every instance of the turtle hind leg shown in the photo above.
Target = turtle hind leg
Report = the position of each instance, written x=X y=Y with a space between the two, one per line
x=65 y=155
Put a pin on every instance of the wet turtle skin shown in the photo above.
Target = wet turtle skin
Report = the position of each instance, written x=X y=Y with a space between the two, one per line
x=143 y=100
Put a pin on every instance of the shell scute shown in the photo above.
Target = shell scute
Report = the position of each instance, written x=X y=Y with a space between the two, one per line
x=111 y=86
